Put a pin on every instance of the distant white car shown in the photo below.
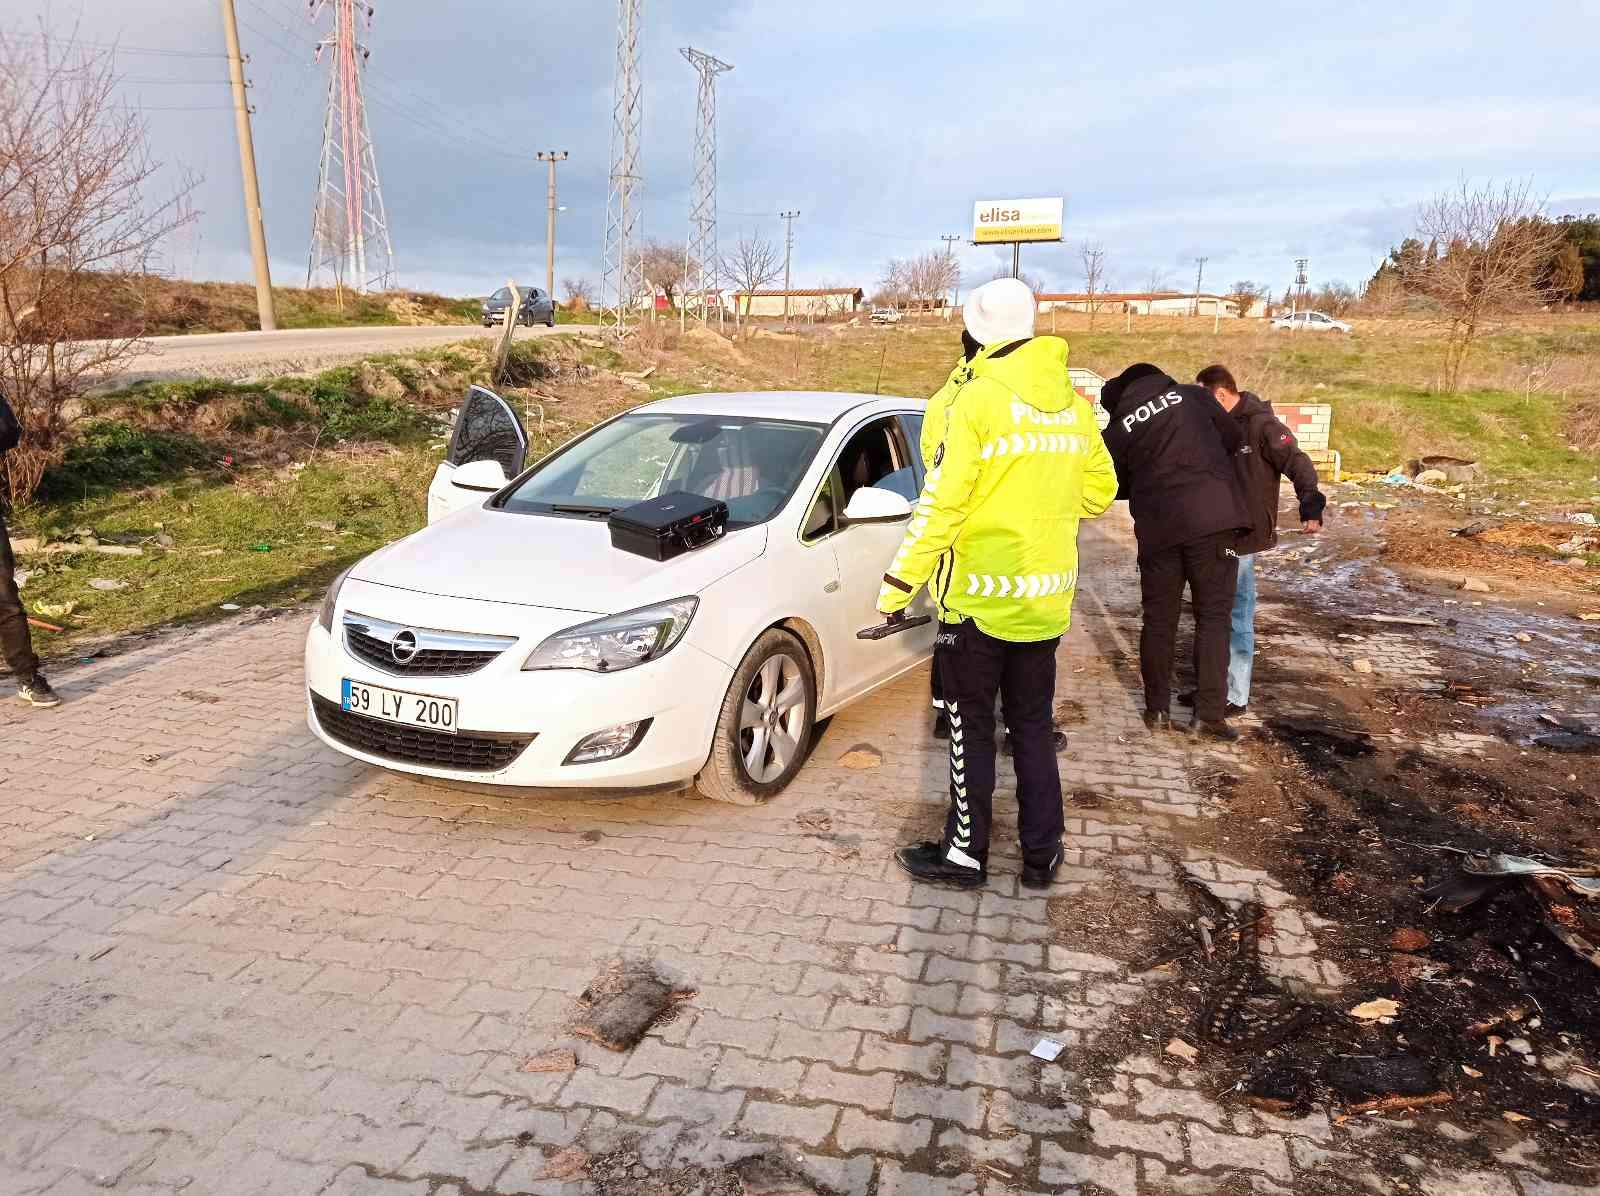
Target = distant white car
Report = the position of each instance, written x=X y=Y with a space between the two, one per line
x=886 y=315
x=511 y=642
x=1310 y=321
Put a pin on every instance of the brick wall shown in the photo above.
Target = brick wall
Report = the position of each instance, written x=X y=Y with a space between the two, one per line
x=1310 y=423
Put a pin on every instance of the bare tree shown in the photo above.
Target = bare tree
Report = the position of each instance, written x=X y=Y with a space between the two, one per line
x=753 y=263
x=1034 y=284
x=1498 y=249
x=665 y=268
x=1245 y=294
x=1093 y=256
x=577 y=293
x=1158 y=281
x=75 y=206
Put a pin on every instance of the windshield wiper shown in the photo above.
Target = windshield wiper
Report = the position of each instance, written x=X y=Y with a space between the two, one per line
x=574 y=509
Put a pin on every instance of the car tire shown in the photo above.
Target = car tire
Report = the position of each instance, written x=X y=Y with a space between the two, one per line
x=551 y=322
x=748 y=766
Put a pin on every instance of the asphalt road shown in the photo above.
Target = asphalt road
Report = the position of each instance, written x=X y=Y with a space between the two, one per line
x=306 y=350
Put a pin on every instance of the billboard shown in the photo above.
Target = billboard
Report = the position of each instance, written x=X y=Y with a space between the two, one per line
x=1001 y=221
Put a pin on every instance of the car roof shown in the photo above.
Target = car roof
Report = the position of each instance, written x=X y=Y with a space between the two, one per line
x=809 y=406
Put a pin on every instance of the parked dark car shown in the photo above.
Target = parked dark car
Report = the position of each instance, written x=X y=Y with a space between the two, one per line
x=537 y=307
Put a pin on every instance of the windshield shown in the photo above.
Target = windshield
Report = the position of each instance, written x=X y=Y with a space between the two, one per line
x=753 y=465
x=501 y=296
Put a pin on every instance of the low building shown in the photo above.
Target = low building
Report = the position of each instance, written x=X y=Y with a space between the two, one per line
x=804 y=302
x=1153 y=303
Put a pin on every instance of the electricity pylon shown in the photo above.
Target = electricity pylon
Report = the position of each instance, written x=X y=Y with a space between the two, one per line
x=704 y=264
x=622 y=267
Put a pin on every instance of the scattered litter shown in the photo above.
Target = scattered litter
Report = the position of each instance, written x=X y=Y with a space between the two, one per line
x=1474 y=585
x=1522 y=637
x=1409 y=939
x=106 y=583
x=117 y=550
x=1177 y=1048
x=563 y=1059
x=150 y=757
x=862 y=756
x=1049 y=1049
x=1399 y=620
x=1341 y=741
x=1590 y=616
x=21 y=577
x=323 y=525
x=56 y=610
x=1361 y=666
x=1473 y=529
x=624 y=1002
x=230 y=606
x=1375 y=1010
x=818 y=818
x=1431 y=477
x=1514 y=1117
x=1471 y=1071
x=1583 y=517
x=261 y=547
x=43 y=626
x=1556 y=887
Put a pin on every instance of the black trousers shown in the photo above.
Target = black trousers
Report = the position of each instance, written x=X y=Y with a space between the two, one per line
x=16 y=645
x=973 y=668
x=1211 y=571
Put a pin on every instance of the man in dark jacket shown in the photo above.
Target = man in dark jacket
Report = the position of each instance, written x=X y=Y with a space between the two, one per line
x=1269 y=454
x=16 y=645
x=1173 y=447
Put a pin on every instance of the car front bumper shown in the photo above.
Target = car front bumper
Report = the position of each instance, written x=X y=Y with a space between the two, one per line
x=681 y=694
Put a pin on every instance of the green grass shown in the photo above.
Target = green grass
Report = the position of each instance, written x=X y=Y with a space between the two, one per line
x=248 y=542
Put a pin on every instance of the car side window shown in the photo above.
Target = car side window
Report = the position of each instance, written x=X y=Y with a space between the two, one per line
x=913 y=431
x=486 y=430
x=871 y=457
x=822 y=520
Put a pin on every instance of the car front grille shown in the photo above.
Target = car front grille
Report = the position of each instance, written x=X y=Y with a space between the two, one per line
x=432 y=653
x=417 y=745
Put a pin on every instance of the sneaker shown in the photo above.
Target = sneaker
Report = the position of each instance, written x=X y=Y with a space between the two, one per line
x=1040 y=876
x=37 y=692
x=1157 y=720
x=941 y=725
x=930 y=862
x=1217 y=729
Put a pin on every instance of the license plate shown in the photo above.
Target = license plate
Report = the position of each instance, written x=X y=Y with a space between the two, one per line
x=395 y=706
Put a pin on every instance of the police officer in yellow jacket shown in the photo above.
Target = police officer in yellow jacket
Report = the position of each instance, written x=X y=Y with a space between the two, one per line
x=995 y=538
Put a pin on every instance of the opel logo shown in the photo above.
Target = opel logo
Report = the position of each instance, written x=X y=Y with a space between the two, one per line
x=404 y=647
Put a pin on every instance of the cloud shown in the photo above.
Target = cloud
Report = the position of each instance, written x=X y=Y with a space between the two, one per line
x=1174 y=130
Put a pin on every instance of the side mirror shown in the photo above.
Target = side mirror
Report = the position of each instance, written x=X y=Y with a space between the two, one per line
x=479 y=475
x=872 y=504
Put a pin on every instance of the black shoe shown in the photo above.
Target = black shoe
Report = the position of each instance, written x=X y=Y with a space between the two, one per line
x=1040 y=876
x=941 y=725
x=1234 y=708
x=1187 y=699
x=926 y=861
x=37 y=692
x=1157 y=720
x=1217 y=729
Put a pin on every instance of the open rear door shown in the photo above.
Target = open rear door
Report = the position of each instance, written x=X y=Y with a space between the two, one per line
x=486 y=429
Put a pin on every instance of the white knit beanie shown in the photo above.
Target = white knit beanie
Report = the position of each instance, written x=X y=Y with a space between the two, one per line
x=1000 y=311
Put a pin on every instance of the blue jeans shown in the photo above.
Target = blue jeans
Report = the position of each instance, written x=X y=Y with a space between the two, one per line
x=1242 y=644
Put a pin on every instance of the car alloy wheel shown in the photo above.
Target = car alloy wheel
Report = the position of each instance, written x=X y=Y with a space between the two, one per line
x=764 y=728
x=772 y=719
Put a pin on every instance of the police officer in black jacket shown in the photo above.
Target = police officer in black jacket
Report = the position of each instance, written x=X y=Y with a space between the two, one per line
x=1173 y=447
x=16 y=645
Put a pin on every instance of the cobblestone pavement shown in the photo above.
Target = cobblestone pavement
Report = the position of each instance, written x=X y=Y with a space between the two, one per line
x=234 y=962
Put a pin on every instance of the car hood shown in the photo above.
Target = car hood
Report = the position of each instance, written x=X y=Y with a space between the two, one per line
x=548 y=560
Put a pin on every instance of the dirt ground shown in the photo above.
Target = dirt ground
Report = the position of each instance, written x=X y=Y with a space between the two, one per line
x=1378 y=752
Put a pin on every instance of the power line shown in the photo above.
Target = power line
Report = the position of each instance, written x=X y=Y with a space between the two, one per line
x=114 y=47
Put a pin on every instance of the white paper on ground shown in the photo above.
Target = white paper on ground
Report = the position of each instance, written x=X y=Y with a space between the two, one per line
x=1047 y=1049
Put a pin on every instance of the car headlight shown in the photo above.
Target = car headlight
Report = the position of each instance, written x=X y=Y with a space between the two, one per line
x=617 y=641
x=325 y=615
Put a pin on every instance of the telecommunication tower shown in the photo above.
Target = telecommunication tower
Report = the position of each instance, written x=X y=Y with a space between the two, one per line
x=703 y=263
x=349 y=227
x=622 y=267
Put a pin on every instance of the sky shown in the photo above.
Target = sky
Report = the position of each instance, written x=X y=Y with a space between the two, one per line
x=1244 y=133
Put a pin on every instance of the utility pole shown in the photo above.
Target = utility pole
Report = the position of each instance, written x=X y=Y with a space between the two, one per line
x=1199 y=273
x=247 y=166
x=1299 y=294
x=955 y=282
x=552 y=157
x=788 y=251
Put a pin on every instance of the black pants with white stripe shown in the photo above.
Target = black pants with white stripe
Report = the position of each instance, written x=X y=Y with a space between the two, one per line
x=973 y=668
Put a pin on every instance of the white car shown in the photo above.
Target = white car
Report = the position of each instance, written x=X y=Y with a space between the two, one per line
x=886 y=315
x=1310 y=321
x=510 y=643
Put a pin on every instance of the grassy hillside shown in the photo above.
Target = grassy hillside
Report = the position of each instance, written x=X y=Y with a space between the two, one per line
x=171 y=307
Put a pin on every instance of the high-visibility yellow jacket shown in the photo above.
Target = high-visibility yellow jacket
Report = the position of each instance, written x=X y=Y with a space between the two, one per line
x=1018 y=463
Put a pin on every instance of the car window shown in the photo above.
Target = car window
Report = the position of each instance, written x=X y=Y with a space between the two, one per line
x=913 y=430
x=502 y=295
x=822 y=520
x=486 y=430
x=753 y=465
x=873 y=457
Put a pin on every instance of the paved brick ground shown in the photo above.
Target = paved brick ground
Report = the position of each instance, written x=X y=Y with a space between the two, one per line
x=233 y=962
